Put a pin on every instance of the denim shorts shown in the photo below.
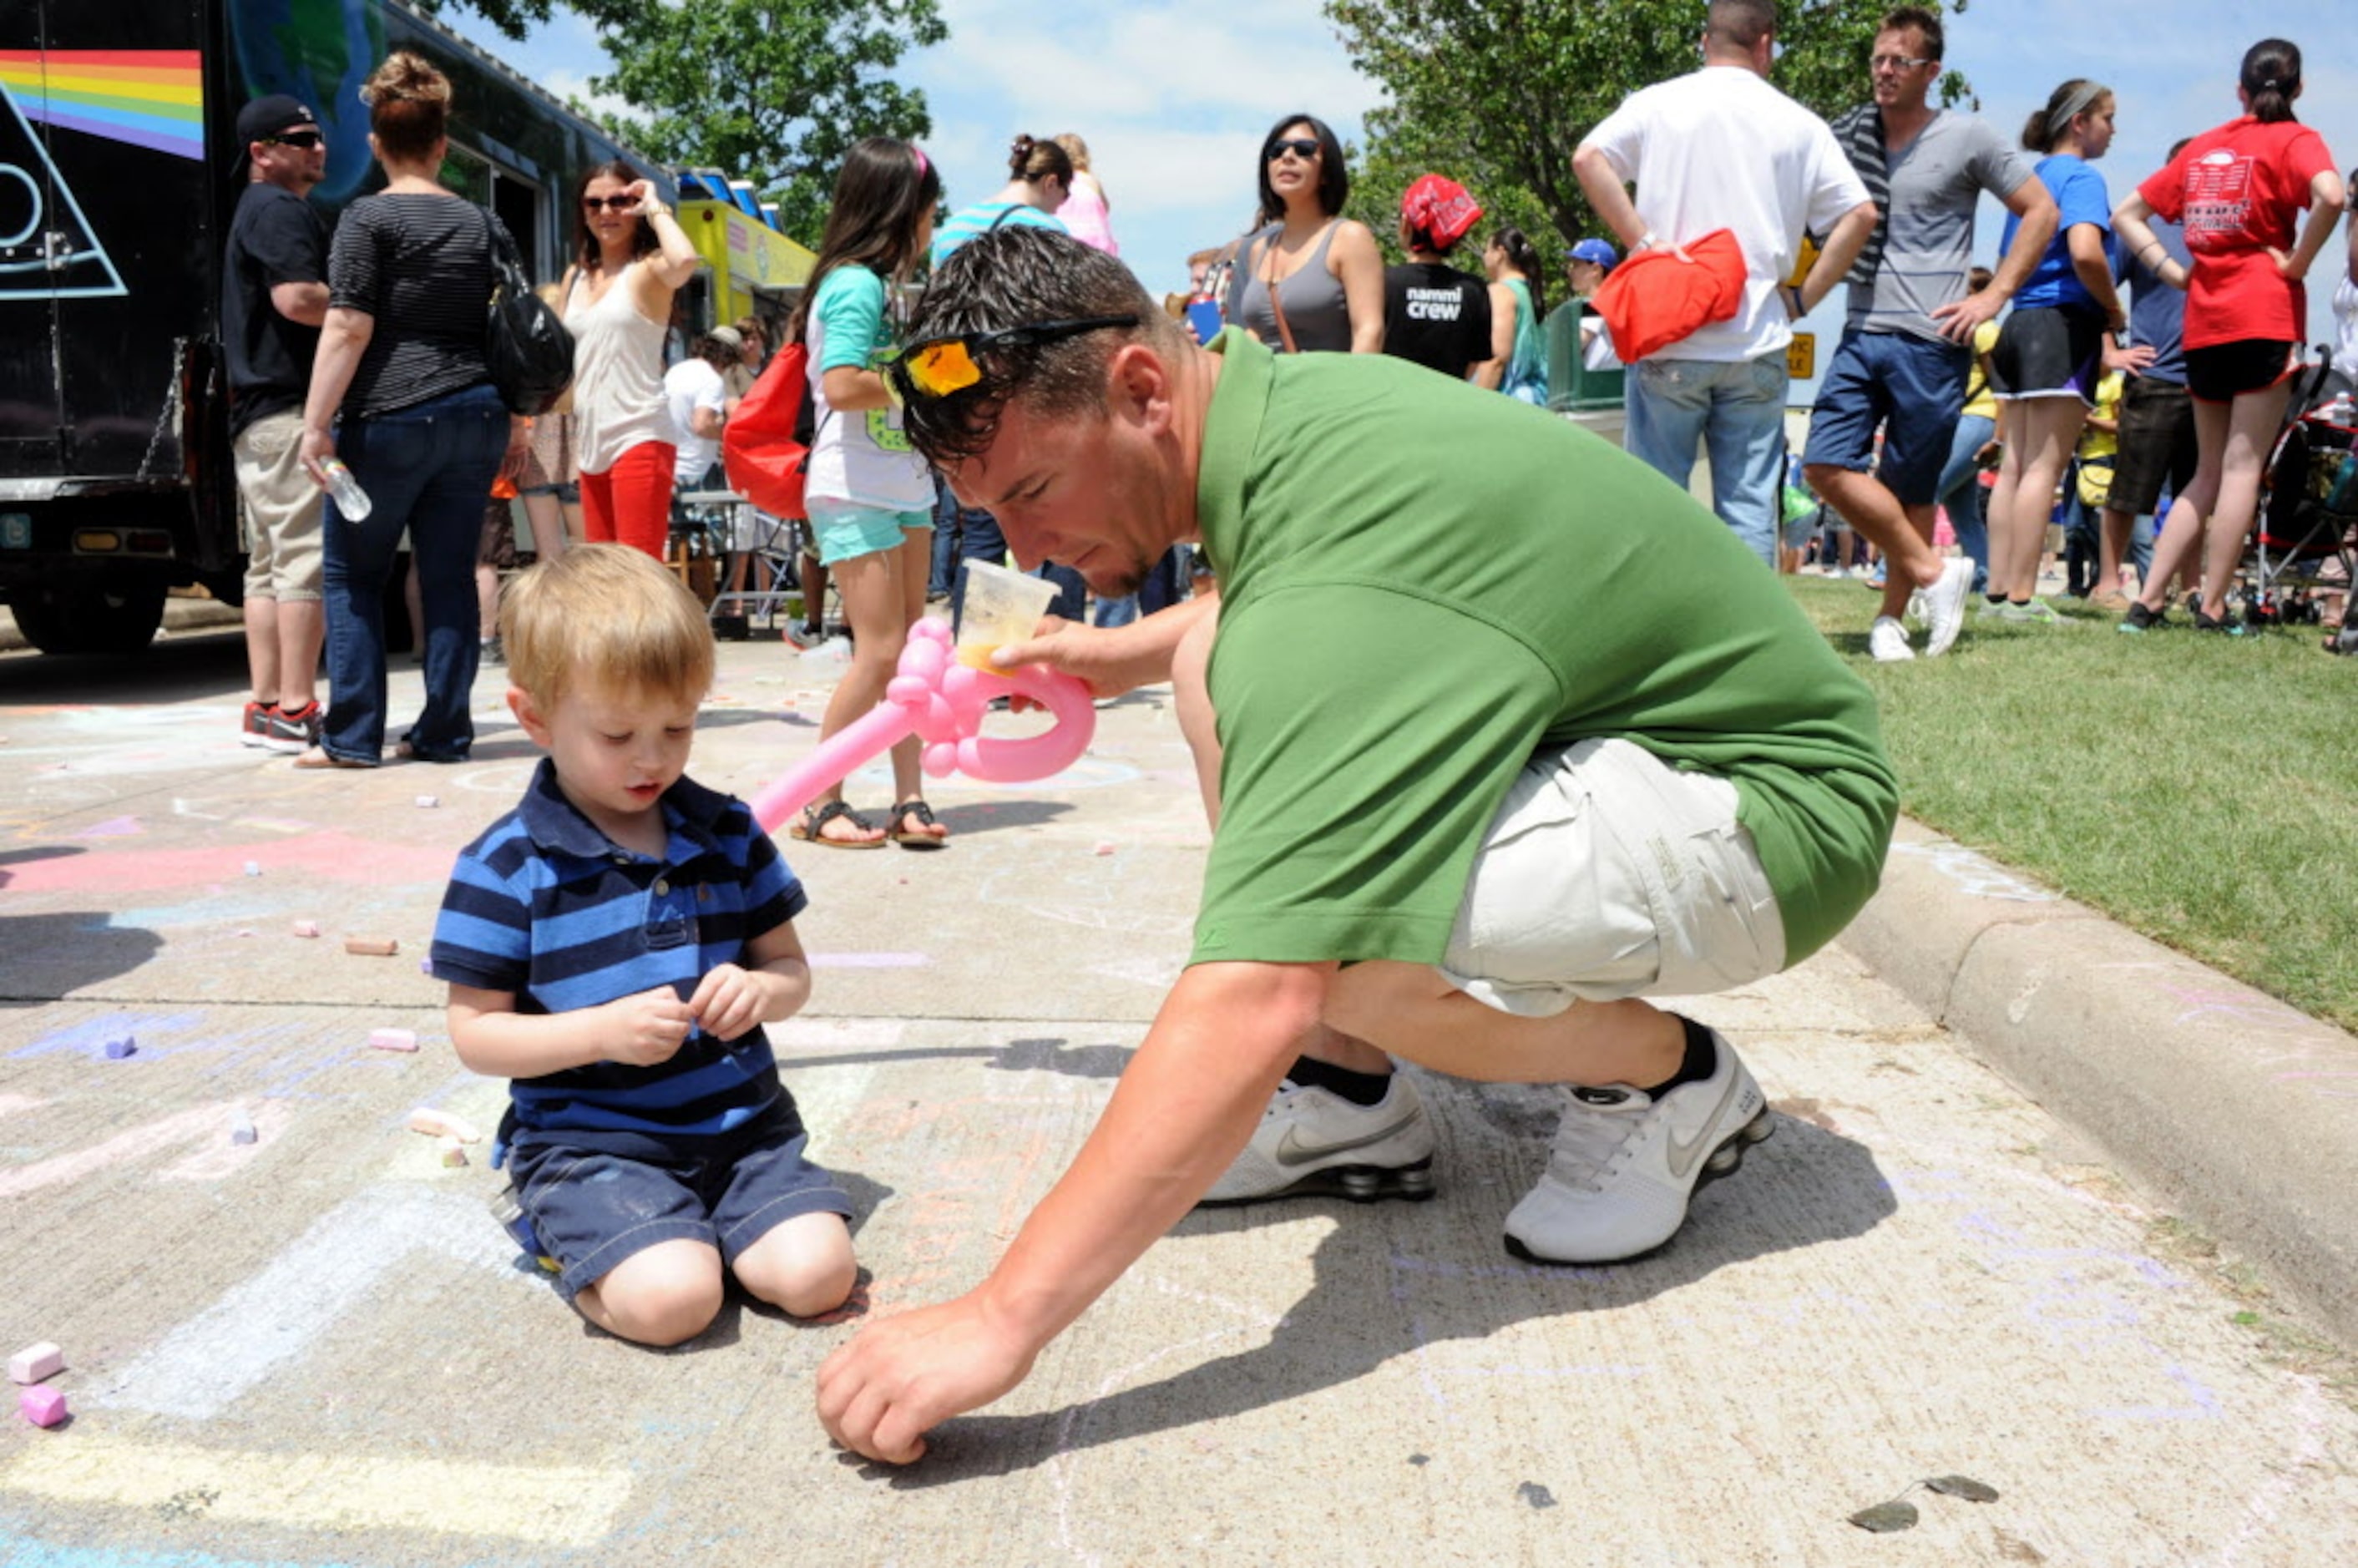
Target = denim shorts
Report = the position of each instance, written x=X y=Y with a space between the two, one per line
x=592 y=1210
x=844 y=530
x=1912 y=388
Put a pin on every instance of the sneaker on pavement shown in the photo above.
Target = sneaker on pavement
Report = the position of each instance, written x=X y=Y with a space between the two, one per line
x=257 y=728
x=295 y=731
x=1625 y=1165
x=1944 y=605
x=1311 y=1143
x=1888 y=641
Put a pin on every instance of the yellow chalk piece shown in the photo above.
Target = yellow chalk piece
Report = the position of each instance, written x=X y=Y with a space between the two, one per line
x=557 y=1505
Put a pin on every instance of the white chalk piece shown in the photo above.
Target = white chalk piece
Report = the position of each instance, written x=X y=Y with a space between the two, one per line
x=371 y=947
x=453 y=1152
x=393 y=1039
x=253 y=868
x=435 y=1123
x=241 y=1130
x=35 y=1362
x=428 y=802
x=307 y=928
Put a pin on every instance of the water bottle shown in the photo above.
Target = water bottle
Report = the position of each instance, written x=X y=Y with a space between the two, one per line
x=2340 y=411
x=350 y=498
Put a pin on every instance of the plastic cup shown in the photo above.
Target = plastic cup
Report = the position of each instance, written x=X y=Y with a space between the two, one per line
x=999 y=606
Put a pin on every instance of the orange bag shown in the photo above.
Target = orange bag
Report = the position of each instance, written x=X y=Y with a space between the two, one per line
x=1654 y=299
x=765 y=448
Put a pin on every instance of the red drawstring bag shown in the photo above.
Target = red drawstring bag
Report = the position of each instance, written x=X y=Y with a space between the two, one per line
x=765 y=448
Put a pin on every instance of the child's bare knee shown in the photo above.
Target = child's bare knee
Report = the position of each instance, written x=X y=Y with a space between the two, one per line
x=667 y=1299
x=805 y=1266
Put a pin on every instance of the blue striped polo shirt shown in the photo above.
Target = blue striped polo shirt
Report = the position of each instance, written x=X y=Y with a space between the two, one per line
x=546 y=907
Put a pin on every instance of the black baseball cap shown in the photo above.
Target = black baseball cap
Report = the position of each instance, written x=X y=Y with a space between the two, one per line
x=265 y=117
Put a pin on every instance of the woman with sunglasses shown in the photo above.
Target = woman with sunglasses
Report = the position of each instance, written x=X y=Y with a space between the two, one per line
x=401 y=392
x=630 y=258
x=870 y=495
x=1309 y=278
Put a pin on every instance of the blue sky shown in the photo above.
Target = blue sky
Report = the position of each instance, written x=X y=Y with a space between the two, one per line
x=1175 y=98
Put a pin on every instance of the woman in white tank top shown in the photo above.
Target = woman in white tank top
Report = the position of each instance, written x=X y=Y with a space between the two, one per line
x=630 y=257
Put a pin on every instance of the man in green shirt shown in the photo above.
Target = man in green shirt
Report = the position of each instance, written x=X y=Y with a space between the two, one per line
x=1498 y=731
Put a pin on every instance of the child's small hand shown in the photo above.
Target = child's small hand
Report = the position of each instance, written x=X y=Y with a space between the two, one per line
x=648 y=1028
x=728 y=1002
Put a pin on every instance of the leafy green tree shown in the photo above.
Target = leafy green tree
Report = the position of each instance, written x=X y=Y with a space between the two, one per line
x=1498 y=93
x=771 y=90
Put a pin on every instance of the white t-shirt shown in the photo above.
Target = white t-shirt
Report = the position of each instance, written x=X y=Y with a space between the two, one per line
x=2345 y=327
x=689 y=385
x=1721 y=149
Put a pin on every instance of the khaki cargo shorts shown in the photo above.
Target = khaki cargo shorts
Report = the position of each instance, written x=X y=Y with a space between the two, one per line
x=1609 y=873
x=283 y=508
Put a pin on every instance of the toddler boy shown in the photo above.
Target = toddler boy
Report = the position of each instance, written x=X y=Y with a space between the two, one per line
x=615 y=944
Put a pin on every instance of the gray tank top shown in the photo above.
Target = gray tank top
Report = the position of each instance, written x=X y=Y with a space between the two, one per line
x=1315 y=310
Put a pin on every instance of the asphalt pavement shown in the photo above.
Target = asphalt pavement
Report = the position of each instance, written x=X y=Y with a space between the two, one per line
x=2032 y=1216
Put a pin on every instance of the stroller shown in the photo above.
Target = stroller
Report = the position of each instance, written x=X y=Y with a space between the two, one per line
x=2304 y=545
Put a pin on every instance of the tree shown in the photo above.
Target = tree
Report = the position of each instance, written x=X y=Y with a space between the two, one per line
x=771 y=90
x=1498 y=93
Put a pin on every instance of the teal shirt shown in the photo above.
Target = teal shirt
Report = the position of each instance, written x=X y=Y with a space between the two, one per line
x=1423 y=584
x=982 y=217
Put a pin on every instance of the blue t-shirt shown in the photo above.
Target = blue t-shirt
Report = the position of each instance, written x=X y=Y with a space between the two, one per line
x=2157 y=311
x=984 y=216
x=548 y=908
x=2080 y=195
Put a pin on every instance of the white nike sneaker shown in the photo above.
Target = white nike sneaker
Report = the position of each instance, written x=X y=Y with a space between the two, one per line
x=1624 y=1165
x=1944 y=606
x=1888 y=641
x=1313 y=1143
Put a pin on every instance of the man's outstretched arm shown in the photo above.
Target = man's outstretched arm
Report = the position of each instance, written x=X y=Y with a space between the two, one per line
x=1184 y=1107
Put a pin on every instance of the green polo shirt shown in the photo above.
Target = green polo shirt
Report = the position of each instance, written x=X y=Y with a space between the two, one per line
x=1422 y=584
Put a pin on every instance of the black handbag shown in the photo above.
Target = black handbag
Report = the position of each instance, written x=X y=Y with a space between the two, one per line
x=526 y=345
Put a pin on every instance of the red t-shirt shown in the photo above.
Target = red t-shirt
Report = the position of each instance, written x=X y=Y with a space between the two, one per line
x=2238 y=190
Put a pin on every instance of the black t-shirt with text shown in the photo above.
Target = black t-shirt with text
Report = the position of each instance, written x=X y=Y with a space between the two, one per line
x=275 y=237
x=1437 y=316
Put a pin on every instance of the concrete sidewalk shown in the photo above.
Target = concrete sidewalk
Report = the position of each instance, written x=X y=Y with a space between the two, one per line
x=318 y=1349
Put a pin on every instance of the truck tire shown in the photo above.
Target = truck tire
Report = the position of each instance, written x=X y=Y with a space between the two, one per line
x=89 y=617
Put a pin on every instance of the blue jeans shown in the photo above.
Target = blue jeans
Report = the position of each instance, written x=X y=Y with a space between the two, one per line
x=973 y=535
x=1961 y=491
x=1072 y=600
x=1738 y=412
x=427 y=469
x=1163 y=588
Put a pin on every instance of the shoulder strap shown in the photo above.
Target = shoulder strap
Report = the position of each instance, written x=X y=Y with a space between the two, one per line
x=1274 y=285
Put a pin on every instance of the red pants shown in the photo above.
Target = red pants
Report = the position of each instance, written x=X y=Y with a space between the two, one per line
x=631 y=501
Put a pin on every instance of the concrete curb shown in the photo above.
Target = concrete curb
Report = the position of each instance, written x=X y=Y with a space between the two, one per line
x=2234 y=1108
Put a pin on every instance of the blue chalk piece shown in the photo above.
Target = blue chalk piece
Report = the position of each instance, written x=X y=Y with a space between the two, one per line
x=118 y=1049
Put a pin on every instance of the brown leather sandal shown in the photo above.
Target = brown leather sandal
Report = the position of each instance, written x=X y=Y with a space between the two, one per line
x=906 y=840
x=810 y=826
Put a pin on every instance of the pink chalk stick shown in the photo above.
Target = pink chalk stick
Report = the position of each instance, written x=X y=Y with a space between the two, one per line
x=307 y=928
x=393 y=1039
x=35 y=1362
x=42 y=1405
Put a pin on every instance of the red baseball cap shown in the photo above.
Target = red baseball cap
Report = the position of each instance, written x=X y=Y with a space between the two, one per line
x=1438 y=206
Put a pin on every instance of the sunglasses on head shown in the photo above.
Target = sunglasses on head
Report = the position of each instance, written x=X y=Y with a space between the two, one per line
x=609 y=204
x=1304 y=147
x=940 y=366
x=296 y=139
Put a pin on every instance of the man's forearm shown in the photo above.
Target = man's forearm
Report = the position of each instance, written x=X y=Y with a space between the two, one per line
x=1608 y=197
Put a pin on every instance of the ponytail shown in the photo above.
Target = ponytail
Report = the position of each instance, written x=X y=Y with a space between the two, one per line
x=1524 y=257
x=2270 y=77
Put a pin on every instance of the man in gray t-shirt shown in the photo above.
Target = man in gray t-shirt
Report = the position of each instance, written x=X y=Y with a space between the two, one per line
x=1902 y=361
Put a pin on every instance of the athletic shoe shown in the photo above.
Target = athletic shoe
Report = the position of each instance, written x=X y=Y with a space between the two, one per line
x=2036 y=612
x=1888 y=641
x=295 y=731
x=2139 y=618
x=1944 y=605
x=490 y=652
x=1311 y=1143
x=1915 y=610
x=1625 y=1165
x=1989 y=610
x=257 y=728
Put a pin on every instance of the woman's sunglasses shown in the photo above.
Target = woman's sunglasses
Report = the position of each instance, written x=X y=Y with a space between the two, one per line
x=940 y=366
x=1304 y=147
x=297 y=139
x=609 y=204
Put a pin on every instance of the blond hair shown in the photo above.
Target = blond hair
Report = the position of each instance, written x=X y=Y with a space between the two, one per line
x=609 y=618
x=1076 y=149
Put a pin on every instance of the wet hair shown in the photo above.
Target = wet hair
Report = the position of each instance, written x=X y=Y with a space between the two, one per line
x=2066 y=103
x=1334 y=180
x=607 y=618
x=1004 y=279
x=1032 y=161
x=1076 y=149
x=1924 y=19
x=1524 y=257
x=1740 y=23
x=409 y=106
x=881 y=194
x=586 y=249
x=2271 y=76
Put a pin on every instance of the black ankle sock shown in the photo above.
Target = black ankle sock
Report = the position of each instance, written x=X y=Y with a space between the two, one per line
x=1702 y=1059
x=1360 y=1089
x=1995 y=598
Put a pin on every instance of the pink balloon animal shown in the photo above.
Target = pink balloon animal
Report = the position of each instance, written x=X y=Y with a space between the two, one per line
x=935 y=697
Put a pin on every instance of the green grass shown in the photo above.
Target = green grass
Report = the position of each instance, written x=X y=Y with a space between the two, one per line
x=2201 y=790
